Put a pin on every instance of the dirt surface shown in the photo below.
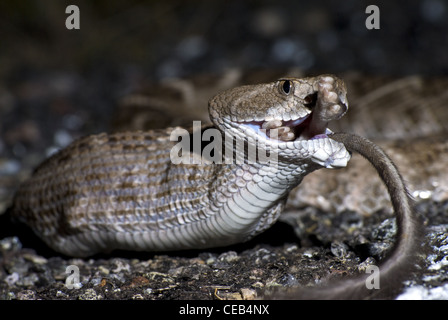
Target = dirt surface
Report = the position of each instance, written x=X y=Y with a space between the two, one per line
x=330 y=246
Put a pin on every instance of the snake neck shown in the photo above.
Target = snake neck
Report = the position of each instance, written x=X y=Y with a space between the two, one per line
x=246 y=199
x=243 y=184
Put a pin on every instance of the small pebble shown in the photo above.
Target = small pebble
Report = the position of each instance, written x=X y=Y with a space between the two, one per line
x=248 y=294
x=339 y=249
x=90 y=294
x=26 y=295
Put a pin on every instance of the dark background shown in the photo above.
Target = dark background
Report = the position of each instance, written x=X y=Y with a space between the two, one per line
x=58 y=84
x=176 y=38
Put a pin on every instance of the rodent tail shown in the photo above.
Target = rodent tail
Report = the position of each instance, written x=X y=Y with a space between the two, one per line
x=401 y=260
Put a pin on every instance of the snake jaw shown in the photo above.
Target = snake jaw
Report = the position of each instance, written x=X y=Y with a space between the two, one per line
x=308 y=135
x=286 y=131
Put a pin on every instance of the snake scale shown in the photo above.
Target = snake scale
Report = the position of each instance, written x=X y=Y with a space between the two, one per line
x=122 y=190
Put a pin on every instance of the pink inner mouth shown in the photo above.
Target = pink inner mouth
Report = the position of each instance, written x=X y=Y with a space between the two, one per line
x=290 y=130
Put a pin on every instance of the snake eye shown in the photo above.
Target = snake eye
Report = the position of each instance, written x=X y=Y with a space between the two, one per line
x=286 y=87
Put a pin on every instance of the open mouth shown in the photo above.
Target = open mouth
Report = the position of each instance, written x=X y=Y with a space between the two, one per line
x=291 y=130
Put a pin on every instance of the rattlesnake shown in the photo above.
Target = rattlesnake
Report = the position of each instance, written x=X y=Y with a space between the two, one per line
x=241 y=110
x=407 y=116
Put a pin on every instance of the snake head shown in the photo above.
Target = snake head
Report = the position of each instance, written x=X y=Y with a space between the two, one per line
x=290 y=114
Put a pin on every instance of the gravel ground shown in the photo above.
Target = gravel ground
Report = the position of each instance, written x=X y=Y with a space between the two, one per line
x=329 y=246
x=57 y=85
